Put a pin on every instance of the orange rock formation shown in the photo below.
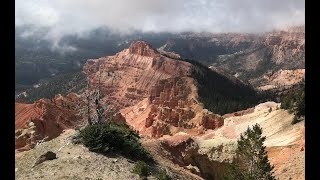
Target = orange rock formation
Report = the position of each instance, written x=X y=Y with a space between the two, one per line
x=44 y=119
x=153 y=92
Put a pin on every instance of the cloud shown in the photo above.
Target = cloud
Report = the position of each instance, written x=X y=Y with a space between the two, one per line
x=62 y=48
x=78 y=16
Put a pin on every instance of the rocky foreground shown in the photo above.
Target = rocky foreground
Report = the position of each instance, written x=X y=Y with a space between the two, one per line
x=77 y=162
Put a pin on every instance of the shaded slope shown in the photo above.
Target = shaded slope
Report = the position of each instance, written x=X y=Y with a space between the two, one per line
x=220 y=94
x=61 y=84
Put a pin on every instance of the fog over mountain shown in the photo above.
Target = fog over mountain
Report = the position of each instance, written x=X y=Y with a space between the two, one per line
x=160 y=89
x=54 y=37
x=79 y=16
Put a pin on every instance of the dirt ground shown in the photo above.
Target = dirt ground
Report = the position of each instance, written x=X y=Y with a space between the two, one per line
x=285 y=142
x=75 y=162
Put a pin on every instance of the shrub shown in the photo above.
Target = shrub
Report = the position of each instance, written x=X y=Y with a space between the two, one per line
x=301 y=105
x=270 y=110
x=295 y=120
x=102 y=138
x=251 y=157
x=141 y=168
x=286 y=102
x=295 y=103
x=163 y=175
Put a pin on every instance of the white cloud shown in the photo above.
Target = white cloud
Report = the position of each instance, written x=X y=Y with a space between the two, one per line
x=77 y=16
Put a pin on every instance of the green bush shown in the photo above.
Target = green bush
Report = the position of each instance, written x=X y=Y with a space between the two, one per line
x=251 y=160
x=102 y=138
x=295 y=120
x=163 y=175
x=286 y=102
x=141 y=168
x=301 y=105
x=295 y=103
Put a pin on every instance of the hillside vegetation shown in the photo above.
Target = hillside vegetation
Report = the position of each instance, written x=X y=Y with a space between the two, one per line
x=62 y=84
x=111 y=137
x=295 y=103
x=222 y=95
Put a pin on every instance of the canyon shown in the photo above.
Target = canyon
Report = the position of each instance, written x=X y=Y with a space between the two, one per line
x=158 y=96
x=275 y=53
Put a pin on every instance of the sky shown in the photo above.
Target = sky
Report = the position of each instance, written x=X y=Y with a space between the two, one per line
x=79 y=16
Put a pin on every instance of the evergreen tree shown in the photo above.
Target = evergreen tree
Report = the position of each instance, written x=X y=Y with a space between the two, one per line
x=251 y=162
x=300 y=110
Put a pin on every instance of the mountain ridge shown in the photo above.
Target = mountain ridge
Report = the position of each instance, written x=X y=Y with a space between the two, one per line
x=163 y=86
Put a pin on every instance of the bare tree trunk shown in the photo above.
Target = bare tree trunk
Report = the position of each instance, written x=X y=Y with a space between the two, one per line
x=99 y=108
x=88 y=109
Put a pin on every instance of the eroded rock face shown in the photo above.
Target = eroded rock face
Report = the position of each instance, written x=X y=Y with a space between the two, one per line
x=181 y=147
x=153 y=92
x=172 y=103
x=169 y=99
x=239 y=113
x=273 y=51
x=184 y=151
x=142 y=48
x=159 y=128
x=44 y=120
x=282 y=79
x=211 y=121
x=70 y=101
x=290 y=38
x=127 y=77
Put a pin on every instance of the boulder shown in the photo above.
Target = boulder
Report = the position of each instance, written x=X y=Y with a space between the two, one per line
x=49 y=155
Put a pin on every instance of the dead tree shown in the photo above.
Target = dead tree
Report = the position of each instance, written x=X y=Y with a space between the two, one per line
x=86 y=108
x=93 y=109
x=99 y=107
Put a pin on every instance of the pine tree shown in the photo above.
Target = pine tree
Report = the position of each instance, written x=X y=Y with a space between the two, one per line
x=251 y=162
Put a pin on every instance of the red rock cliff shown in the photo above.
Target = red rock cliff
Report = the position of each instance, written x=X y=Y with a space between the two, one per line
x=153 y=92
x=44 y=119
